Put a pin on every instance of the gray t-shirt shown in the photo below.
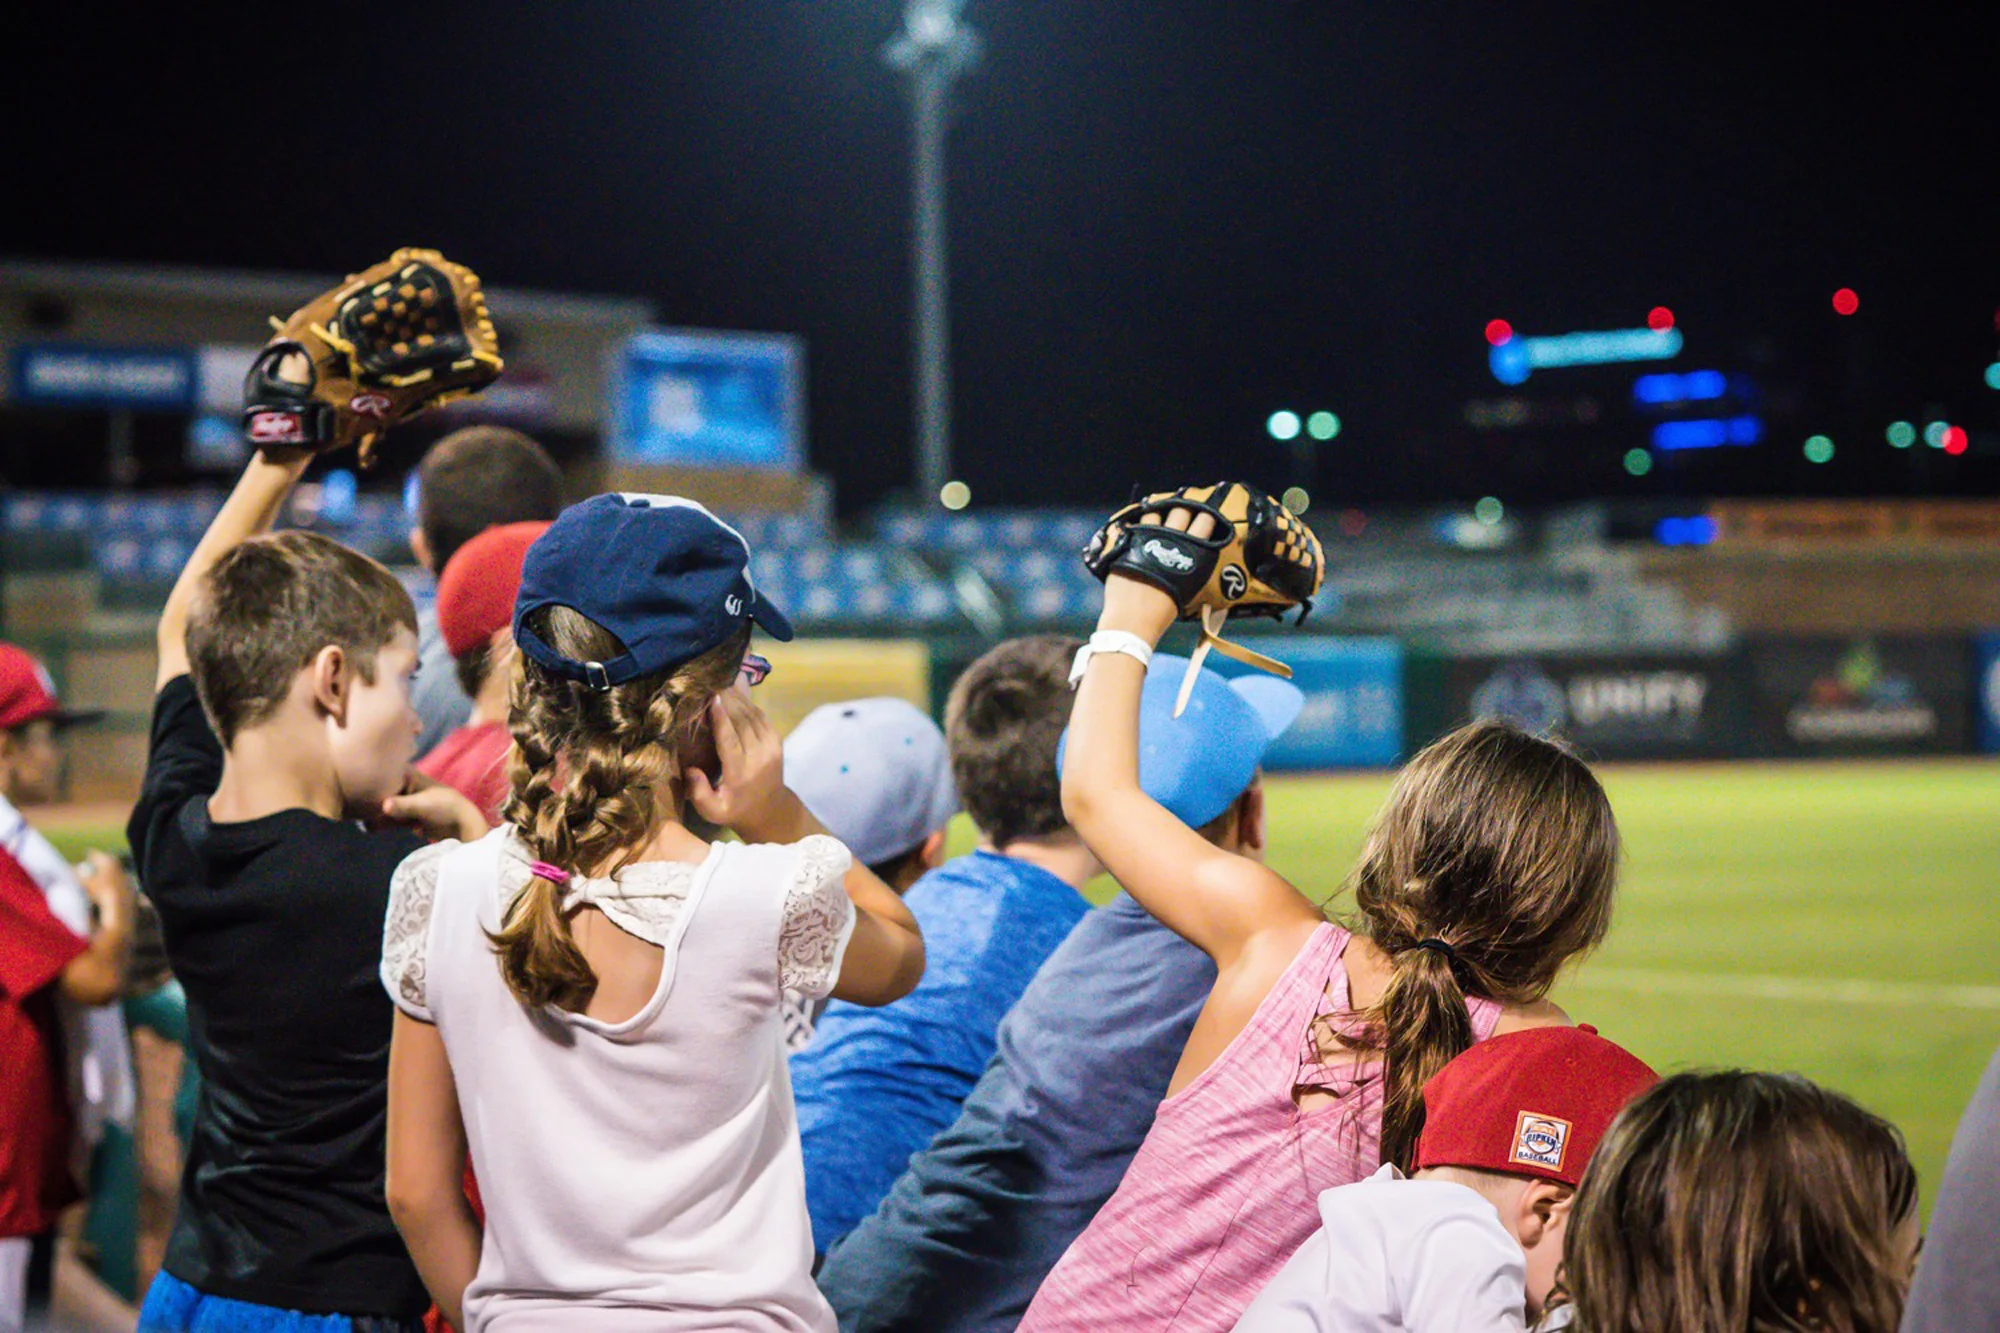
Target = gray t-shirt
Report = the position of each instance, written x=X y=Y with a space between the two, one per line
x=1958 y=1280
x=436 y=696
x=979 y=1218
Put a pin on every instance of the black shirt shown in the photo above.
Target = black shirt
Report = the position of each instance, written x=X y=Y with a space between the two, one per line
x=274 y=928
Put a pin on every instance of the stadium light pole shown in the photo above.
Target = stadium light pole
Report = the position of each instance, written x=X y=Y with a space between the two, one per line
x=934 y=48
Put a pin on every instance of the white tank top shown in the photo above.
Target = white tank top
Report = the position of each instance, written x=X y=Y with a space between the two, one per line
x=643 y=1174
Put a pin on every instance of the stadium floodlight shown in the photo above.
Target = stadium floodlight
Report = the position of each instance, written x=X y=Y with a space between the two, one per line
x=935 y=47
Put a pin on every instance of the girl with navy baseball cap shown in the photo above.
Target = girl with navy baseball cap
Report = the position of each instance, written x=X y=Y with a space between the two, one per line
x=589 y=996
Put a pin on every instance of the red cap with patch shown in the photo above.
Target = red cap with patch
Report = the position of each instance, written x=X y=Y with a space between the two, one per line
x=476 y=592
x=28 y=695
x=1531 y=1103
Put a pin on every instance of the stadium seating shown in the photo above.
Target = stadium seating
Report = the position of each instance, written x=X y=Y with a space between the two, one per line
x=990 y=570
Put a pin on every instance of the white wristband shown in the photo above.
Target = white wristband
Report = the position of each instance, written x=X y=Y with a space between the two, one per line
x=1110 y=641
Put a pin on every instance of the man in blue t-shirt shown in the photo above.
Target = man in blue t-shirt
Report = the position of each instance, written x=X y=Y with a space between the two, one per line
x=876 y=1084
x=969 y=1231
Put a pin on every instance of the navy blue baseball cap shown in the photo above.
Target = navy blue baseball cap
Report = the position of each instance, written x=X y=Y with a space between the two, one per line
x=670 y=579
x=1199 y=762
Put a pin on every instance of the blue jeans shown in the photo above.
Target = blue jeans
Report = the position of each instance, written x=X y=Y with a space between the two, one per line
x=172 y=1306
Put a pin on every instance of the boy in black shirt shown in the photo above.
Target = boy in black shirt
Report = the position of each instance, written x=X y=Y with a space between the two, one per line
x=272 y=897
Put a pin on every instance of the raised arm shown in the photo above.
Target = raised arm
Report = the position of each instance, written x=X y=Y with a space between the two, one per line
x=251 y=509
x=1218 y=901
x=885 y=954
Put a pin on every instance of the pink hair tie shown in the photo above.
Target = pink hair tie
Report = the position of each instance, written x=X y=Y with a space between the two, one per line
x=553 y=874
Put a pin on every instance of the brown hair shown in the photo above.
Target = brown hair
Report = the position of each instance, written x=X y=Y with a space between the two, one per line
x=1490 y=866
x=265 y=609
x=1002 y=722
x=470 y=668
x=1734 y=1200
x=477 y=478
x=593 y=776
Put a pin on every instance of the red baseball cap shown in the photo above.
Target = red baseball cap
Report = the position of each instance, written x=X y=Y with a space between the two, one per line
x=476 y=592
x=1533 y=1103
x=28 y=695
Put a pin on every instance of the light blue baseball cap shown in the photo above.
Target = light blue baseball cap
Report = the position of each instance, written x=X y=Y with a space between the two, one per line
x=1199 y=762
x=874 y=771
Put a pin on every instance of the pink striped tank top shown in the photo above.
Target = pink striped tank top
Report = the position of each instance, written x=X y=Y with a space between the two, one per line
x=1226 y=1185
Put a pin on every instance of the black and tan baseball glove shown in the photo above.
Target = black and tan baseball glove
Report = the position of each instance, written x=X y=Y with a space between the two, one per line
x=387 y=343
x=1254 y=558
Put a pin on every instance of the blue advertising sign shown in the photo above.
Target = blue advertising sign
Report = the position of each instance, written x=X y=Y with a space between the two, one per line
x=1353 y=714
x=694 y=398
x=119 y=378
x=1986 y=659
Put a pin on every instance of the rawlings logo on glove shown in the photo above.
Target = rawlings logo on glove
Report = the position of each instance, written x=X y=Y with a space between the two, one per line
x=403 y=336
x=1255 y=559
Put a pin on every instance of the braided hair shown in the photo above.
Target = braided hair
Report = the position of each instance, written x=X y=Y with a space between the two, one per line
x=593 y=775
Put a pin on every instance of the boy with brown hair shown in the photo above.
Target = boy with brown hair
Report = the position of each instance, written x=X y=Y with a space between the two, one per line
x=471 y=480
x=282 y=722
x=877 y=1084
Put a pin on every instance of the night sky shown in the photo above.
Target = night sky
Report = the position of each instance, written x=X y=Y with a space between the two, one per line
x=1168 y=219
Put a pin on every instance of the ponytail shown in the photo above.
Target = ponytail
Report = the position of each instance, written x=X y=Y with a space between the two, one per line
x=1490 y=866
x=1424 y=1025
x=593 y=775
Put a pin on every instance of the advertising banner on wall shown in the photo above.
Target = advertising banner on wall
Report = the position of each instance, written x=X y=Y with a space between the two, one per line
x=1353 y=711
x=1862 y=695
x=1986 y=682
x=117 y=378
x=1628 y=706
x=694 y=398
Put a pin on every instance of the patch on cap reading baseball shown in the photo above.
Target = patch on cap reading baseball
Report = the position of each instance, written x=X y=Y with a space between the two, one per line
x=1539 y=1140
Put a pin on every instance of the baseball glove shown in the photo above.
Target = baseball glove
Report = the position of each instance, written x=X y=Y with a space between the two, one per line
x=387 y=343
x=1259 y=559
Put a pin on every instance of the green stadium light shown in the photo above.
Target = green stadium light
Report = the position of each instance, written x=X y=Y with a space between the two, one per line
x=1489 y=511
x=1819 y=449
x=1993 y=376
x=1902 y=434
x=955 y=495
x=1296 y=499
x=1283 y=425
x=1322 y=425
x=1638 y=462
x=1934 y=433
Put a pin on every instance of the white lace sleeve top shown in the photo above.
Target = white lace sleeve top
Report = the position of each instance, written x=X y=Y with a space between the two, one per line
x=648 y=900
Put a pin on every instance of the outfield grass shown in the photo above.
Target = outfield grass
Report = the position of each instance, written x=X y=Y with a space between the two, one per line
x=1839 y=920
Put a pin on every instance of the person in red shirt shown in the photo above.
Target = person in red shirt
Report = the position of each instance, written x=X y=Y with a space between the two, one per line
x=475 y=611
x=42 y=961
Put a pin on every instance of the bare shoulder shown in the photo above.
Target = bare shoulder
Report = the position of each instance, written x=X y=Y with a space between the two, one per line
x=1539 y=1014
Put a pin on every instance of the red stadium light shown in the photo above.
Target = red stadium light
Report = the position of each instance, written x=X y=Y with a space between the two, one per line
x=1498 y=331
x=1659 y=319
x=1845 y=302
x=1955 y=441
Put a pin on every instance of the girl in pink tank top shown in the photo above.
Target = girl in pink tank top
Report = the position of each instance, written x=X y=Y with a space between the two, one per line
x=1489 y=867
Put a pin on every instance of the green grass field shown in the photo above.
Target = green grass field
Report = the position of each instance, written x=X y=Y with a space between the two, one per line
x=1838 y=920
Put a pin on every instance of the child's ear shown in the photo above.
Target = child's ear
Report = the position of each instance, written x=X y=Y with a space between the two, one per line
x=332 y=681
x=932 y=852
x=1544 y=1212
x=1250 y=817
